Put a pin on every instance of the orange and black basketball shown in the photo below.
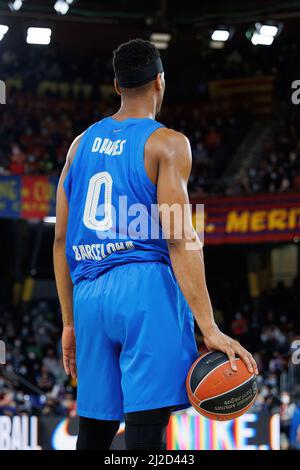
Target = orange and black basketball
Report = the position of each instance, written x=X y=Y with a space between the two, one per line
x=216 y=391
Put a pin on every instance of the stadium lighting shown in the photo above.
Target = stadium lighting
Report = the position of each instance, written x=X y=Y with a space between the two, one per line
x=217 y=44
x=220 y=35
x=264 y=34
x=38 y=36
x=160 y=40
x=160 y=37
x=268 y=30
x=62 y=6
x=160 y=45
x=16 y=5
x=49 y=220
x=261 y=39
x=3 y=30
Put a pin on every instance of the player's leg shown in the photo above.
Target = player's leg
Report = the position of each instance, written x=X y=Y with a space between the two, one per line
x=99 y=394
x=146 y=430
x=96 y=434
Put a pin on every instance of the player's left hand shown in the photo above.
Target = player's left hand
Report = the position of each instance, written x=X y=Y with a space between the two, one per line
x=69 y=351
x=216 y=340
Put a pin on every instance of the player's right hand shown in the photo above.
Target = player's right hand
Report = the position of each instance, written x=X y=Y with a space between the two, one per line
x=69 y=351
x=216 y=340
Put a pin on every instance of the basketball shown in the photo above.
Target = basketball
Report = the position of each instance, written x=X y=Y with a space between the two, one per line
x=216 y=391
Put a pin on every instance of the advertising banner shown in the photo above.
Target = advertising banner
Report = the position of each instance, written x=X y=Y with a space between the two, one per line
x=256 y=219
x=187 y=430
x=228 y=220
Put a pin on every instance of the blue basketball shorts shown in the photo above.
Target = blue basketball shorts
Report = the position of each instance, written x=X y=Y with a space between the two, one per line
x=134 y=341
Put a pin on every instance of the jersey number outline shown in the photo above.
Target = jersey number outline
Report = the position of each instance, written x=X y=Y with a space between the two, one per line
x=92 y=202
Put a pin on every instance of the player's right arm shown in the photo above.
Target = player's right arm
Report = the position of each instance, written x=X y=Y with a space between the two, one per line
x=61 y=269
x=174 y=159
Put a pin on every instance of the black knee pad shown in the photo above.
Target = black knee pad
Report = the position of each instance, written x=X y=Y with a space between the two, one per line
x=146 y=429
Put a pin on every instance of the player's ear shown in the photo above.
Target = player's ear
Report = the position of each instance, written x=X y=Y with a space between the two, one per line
x=117 y=88
x=159 y=82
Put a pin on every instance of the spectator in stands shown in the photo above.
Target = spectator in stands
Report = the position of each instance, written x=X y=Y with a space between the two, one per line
x=17 y=161
x=239 y=326
x=7 y=403
x=295 y=428
x=287 y=410
x=45 y=380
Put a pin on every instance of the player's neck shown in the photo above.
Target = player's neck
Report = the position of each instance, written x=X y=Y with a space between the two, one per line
x=136 y=108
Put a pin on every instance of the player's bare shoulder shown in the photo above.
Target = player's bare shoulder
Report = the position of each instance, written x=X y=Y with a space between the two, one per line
x=69 y=159
x=170 y=146
x=73 y=149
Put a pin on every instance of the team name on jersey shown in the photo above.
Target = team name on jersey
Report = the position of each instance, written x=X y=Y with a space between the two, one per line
x=107 y=146
x=99 y=251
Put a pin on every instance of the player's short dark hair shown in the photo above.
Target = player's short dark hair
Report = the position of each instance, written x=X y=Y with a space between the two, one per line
x=133 y=56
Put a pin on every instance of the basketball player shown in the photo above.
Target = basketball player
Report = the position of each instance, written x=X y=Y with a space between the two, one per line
x=128 y=302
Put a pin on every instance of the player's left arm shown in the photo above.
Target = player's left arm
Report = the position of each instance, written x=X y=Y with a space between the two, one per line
x=61 y=269
x=173 y=152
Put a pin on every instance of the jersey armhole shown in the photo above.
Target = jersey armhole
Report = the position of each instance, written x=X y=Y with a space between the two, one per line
x=68 y=179
x=141 y=152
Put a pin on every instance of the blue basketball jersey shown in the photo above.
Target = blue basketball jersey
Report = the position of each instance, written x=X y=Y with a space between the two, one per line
x=113 y=215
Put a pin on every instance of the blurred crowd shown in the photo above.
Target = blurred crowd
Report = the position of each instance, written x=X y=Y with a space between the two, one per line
x=36 y=131
x=269 y=327
x=35 y=135
x=238 y=59
x=214 y=139
x=34 y=356
x=276 y=168
x=34 y=381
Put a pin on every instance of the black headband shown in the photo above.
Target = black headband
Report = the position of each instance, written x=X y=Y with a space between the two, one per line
x=141 y=76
